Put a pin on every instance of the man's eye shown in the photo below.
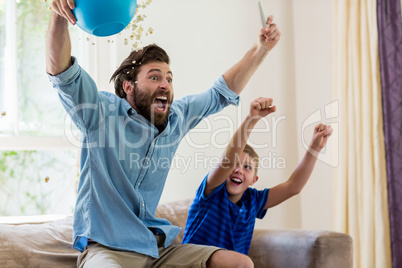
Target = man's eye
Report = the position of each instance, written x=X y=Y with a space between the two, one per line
x=154 y=78
x=247 y=166
x=169 y=80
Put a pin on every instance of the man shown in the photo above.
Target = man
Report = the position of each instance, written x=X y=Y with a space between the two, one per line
x=124 y=136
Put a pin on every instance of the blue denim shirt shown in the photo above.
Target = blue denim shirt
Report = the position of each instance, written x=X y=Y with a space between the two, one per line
x=125 y=160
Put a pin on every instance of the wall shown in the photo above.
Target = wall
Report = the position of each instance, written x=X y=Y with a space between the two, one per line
x=204 y=39
x=312 y=32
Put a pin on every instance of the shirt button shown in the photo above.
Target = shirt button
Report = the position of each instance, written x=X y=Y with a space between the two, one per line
x=147 y=162
x=143 y=204
x=241 y=210
x=132 y=112
x=139 y=184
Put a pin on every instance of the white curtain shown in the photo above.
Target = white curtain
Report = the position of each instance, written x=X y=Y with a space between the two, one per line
x=360 y=206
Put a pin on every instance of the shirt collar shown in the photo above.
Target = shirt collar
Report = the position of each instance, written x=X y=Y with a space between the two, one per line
x=128 y=107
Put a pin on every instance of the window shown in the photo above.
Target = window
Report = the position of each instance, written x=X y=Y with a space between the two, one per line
x=38 y=155
x=34 y=182
x=38 y=166
x=31 y=105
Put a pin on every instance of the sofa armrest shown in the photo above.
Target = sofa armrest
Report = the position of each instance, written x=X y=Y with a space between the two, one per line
x=301 y=248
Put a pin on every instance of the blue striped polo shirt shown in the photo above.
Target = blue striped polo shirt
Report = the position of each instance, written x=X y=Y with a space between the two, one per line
x=217 y=221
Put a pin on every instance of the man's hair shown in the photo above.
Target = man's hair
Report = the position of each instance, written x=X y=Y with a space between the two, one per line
x=252 y=153
x=130 y=67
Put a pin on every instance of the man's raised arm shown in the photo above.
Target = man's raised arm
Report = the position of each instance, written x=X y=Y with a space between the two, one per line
x=58 y=44
x=238 y=76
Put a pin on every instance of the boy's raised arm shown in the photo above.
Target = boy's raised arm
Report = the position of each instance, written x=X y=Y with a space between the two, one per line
x=301 y=174
x=259 y=108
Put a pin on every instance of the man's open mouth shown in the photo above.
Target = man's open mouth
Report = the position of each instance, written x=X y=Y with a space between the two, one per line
x=160 y=103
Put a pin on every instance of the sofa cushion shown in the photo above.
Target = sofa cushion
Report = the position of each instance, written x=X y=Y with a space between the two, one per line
x=38 y=244
x=176 y=213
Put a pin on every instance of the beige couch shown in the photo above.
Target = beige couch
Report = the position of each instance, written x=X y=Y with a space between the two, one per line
x=48 y=244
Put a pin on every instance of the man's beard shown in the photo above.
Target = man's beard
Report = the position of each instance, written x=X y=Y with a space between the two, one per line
x=145 y=107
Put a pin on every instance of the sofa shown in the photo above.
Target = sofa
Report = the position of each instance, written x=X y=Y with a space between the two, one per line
x=49 y=243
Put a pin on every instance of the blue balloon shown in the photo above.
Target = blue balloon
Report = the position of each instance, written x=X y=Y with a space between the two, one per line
x=104 y=17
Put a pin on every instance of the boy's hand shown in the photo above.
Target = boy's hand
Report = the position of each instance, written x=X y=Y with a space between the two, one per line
x=269 y=35
x=320 y=137
x=261 y=107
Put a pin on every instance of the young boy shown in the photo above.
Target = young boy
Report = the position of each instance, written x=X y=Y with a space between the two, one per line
x=224 y=210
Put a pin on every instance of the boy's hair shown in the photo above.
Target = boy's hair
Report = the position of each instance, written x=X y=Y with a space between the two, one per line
x=251 y=152
x=130 y=67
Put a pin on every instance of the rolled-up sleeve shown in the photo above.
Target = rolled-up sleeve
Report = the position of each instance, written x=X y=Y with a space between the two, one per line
x=79 y=95
x=66 y=77
x=230 y=97
x=198 y=106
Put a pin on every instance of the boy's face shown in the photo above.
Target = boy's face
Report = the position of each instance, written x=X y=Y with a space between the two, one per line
x=242 y=176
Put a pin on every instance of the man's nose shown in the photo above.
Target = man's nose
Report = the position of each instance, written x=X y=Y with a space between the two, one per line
x=164 y=84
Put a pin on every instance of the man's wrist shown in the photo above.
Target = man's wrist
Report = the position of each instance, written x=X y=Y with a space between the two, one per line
x=58 y=18
x=260 y=51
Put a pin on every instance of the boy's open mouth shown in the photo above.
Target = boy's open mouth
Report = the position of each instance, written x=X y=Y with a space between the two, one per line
x=160 y=103
x=236 y=181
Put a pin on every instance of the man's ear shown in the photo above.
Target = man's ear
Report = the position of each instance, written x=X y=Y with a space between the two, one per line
x=254 y=180
x=128 y=87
